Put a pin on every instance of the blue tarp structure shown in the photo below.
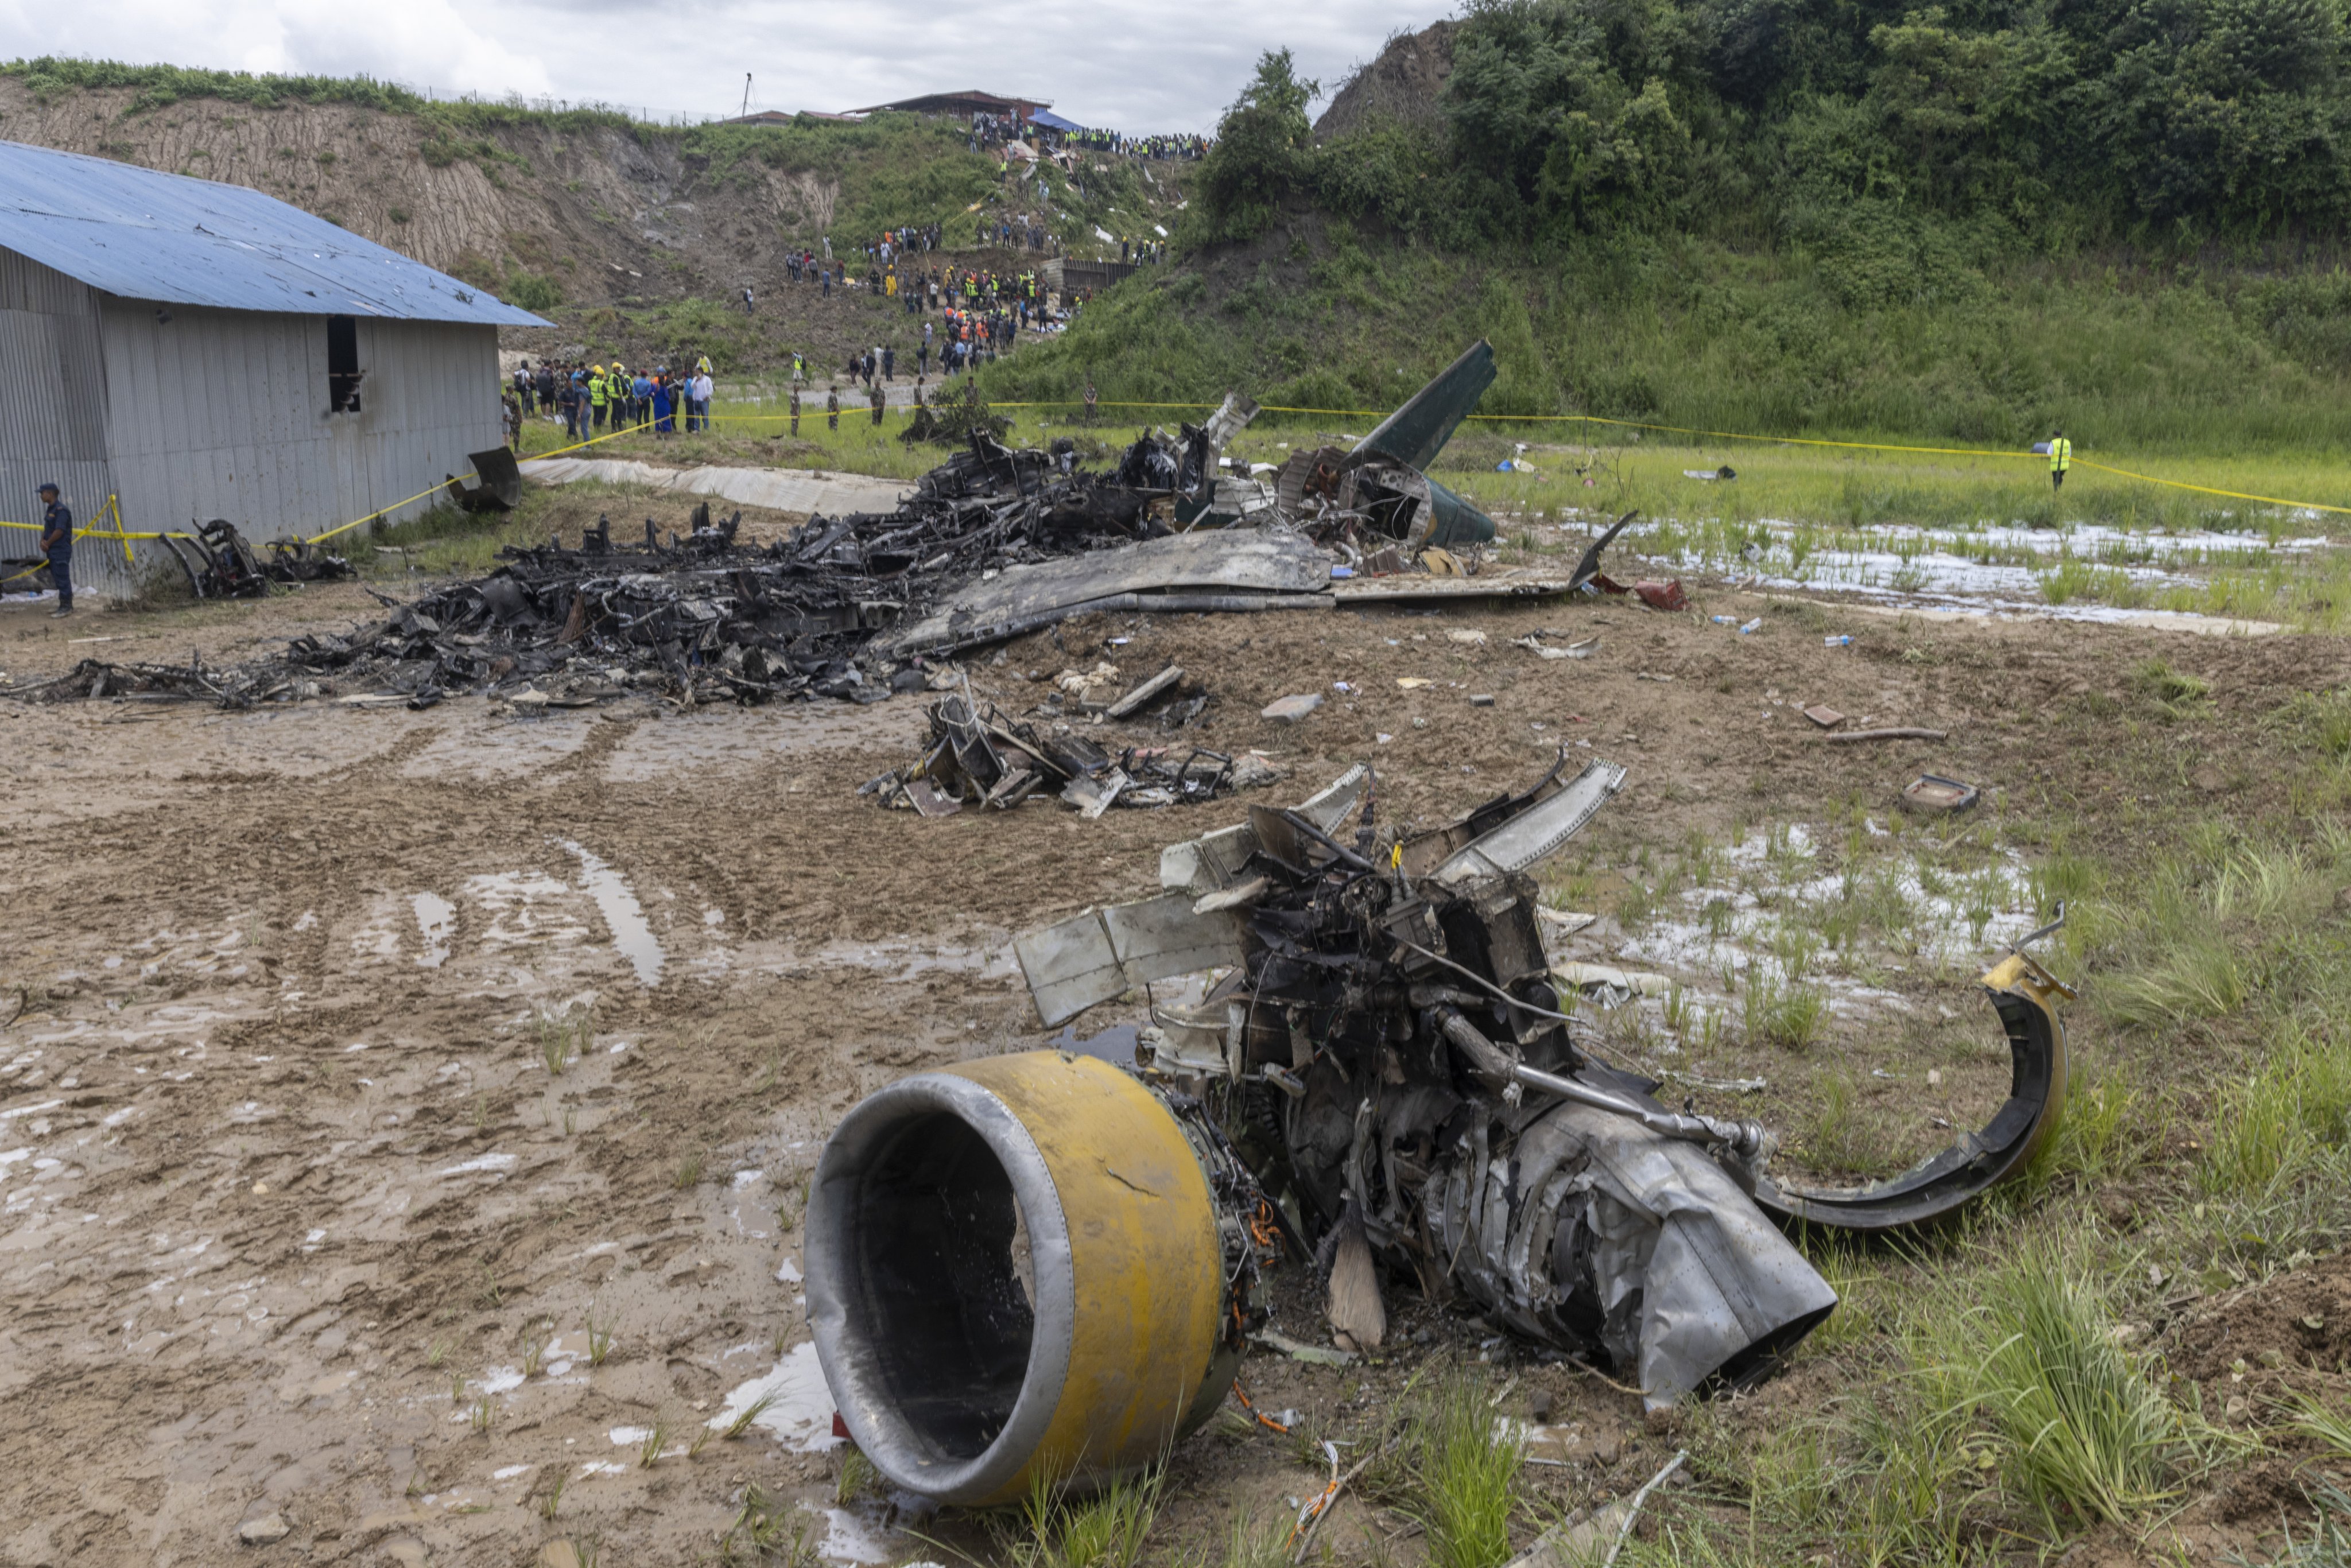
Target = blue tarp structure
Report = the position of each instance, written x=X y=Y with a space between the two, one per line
x=142 y=234
x=1052 y=122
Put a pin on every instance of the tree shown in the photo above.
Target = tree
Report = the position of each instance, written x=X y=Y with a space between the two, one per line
x=1261 y=158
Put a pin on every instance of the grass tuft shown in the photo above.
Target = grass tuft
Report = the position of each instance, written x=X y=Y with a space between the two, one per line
x=752 y=1412
x=564 y=1037
x=2178 y=695
x=1467 y=1475
x=2083 y=1429
x=857 y=1475
x=1105 y=1530
x=2296 y=1105
x=773 y=1527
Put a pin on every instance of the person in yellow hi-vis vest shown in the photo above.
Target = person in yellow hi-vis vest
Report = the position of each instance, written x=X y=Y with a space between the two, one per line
x=2060 y=457
x=597 y=395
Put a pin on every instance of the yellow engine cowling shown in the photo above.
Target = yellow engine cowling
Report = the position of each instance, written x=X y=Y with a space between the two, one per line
x=1018 y=1268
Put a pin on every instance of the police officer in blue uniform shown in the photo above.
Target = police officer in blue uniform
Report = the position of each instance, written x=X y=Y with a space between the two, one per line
x=56 y=543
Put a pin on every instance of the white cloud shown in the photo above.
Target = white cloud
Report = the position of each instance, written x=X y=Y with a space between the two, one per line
x=1138 y=65
x=413 y=41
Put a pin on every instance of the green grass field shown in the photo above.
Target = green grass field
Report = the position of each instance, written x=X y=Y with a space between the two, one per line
x=1800 y=503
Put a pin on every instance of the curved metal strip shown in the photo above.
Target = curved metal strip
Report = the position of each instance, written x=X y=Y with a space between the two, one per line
x=1946 y=1182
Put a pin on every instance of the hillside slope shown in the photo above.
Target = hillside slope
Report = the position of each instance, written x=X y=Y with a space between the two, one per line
x=1584 y=183
x=631 y=237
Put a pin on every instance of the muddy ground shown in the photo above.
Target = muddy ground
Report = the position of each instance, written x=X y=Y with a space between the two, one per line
x=297 y=1220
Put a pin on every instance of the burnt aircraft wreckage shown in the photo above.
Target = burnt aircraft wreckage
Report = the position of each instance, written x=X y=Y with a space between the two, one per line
x=1038 y=1263
x=995 y=542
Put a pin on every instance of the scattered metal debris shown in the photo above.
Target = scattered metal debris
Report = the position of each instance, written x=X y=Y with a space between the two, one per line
x=1390 y=1044
x=998 y=762
x=1042 y=1259
x=1902 y=734
x=1934 y=793
x=499 y=482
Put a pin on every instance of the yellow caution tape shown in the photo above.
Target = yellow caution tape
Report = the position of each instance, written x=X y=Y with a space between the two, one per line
x=1743 y=436
x=2207 y=490
x=371 y=517
x=113 y=506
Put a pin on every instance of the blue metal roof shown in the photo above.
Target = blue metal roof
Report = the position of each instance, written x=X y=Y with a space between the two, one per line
x=1052 y=122
x=145 y=235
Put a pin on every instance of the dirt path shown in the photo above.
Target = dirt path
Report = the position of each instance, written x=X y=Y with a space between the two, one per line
x=296 y=1220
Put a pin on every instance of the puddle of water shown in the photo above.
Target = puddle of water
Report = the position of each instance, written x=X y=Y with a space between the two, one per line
x=437 y=918
x=1114 y=1045
x=907 y=960
x=1941 y=909
x=512 y=905
x=624 y=917
x=1761 y=910
x=860 y=1533
x=481 y=1163
x=800 y=1409
x=1999 y=568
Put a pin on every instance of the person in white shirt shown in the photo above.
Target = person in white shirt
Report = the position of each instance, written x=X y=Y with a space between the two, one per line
x=699 y=391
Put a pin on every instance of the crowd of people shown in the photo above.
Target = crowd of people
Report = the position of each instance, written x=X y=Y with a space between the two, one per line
x=996 y=130
x=991 y=130
x=974 y=316
x=1159 y=147
x=597 y=400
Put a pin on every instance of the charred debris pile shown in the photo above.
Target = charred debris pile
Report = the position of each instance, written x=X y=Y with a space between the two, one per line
x=994 y=542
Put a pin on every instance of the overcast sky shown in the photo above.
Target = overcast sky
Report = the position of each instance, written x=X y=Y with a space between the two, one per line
x=1136 y=64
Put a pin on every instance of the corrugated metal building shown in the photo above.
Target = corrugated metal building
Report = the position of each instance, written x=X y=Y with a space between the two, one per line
x=203 y=350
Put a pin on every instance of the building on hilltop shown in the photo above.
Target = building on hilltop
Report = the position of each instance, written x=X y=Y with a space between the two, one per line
x=788 y=117
x=203 y=350
x=961 y=105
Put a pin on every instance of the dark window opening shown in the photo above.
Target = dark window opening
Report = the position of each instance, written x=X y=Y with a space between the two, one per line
x=343 y=373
